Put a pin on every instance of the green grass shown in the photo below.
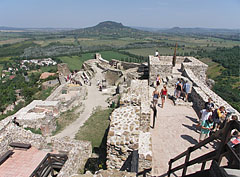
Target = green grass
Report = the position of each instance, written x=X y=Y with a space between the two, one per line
x=108 y=55
x=95 y=127
x=214 y=69
x=35 y=131
x=1 y=68
x=43 y=94
x=49 y=69
x=5 y=58
x=75 y=62
x=65 y=119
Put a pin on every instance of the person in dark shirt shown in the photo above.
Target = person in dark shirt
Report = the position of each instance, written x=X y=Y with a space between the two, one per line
x=209 y=103
x=15 y=122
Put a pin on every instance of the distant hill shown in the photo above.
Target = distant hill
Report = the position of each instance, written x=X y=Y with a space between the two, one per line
x=7 y=28
x=199 y=30
x=110 y=29
x=228 y=34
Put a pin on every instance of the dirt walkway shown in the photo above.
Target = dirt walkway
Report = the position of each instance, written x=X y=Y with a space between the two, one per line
x=173 y=134
x=94 y=99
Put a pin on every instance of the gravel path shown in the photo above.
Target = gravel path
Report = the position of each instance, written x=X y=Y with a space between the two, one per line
x=94 y=99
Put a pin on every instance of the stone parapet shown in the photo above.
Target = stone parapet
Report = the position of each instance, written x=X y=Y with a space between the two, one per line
x=201 y=92
x=198 y=68
x=162 y=66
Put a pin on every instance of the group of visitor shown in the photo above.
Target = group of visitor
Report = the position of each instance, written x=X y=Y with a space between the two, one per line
x=156 y=94
x=182 y=89
x=212 y=119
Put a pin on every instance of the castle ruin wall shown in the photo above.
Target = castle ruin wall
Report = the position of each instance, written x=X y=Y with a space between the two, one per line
x=201 y=92
x=129 y=128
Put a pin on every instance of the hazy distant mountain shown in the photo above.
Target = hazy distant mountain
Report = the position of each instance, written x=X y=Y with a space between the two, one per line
x=109 y=29
x=10 y=28
x=198 y=30
x=6 y=28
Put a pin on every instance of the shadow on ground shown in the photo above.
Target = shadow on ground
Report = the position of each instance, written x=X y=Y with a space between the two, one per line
x=193 y=127
x=195 y=120
x=189 y=139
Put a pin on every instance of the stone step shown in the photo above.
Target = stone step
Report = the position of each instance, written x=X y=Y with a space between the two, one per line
x=180 y=102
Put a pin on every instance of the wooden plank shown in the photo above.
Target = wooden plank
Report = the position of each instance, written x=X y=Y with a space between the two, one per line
x=20 y=145
x=5 y=156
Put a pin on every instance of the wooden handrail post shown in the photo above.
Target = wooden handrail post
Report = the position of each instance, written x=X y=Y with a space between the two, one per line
x=203 y=166
x=186 y=161
x=170 y=167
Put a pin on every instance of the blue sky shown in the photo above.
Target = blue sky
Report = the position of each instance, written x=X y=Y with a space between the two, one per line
x=144 y=13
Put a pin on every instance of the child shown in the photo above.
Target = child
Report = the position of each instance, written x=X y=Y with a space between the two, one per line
x=207 y=125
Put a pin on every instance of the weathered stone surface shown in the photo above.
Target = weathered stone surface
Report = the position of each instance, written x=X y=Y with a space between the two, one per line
x=130 y=122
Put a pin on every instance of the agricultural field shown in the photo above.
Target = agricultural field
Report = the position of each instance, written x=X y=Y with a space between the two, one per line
x=162 y=51
x=75 y=62
x=46 y=42
x=108 y=55
x=121 y=42
x=1 y=68
x=12 y=41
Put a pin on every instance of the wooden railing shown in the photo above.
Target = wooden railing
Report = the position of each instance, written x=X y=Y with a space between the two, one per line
x=131 y=164
x=223 y=135
x=51 y=163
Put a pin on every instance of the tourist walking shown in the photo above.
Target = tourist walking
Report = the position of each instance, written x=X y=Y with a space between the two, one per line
x=187 y=89
x=155 y=95
x=219 y=116
x=209 y=103
x=178 y=89
x=204 y=115
x=163 y=94
x=206 y=127
x=158 y=80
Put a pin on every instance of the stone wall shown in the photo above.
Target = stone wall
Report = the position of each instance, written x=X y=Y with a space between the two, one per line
x=162 y=66
x=39 y=114
x=63 y=71
x=198 y=68
x=201 y=93
x=9 y=132
x=78 y=152
x=129 y=128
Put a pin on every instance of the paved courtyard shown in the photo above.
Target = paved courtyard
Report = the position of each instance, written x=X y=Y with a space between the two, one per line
x=22 y=163
x=173 y=133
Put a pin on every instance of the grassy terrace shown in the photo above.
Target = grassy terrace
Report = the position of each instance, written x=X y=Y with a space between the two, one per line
x=95 y=127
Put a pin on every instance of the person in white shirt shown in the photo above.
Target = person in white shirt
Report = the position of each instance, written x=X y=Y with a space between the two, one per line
x=204 y=115
x=156 y=53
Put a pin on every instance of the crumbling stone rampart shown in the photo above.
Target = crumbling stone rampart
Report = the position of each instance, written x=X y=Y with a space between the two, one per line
x=9 y=132
x=129 y=128
x=78 y=152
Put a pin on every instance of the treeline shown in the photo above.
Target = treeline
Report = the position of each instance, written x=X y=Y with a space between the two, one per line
x=27 y=89
x=227 y=83
x=15 y=49
x=228 y=57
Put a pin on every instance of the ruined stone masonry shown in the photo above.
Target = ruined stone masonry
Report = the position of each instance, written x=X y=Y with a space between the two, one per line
x=129 y=128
